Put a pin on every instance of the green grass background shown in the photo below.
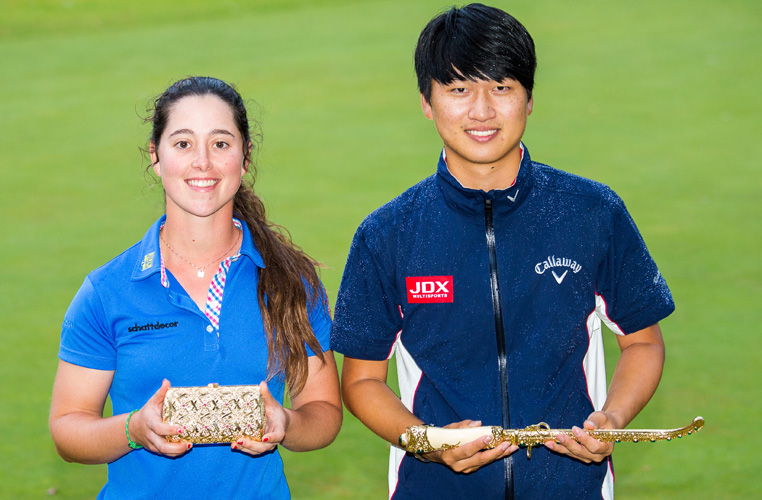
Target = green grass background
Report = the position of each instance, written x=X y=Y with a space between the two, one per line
x=658 y=99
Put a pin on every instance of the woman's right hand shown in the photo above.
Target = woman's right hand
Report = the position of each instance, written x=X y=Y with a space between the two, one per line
x=147 y=429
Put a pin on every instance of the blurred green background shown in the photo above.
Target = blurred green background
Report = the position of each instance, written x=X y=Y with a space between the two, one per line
x=660 y=100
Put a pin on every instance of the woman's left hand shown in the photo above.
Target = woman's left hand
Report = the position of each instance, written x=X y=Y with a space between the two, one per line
x=276 y=422
x=312 y=422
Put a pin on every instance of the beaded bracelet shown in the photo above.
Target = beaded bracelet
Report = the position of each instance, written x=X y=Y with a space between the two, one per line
x=133 y=444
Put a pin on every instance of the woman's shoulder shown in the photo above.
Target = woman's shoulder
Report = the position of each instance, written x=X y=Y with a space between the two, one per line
x=139 y=261
x=123 y=266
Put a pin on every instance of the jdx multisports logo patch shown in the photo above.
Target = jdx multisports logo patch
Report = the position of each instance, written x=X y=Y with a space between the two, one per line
x=429 y=289
x=553 y=262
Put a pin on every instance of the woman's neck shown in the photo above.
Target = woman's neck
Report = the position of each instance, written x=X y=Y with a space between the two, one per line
x=200 y=238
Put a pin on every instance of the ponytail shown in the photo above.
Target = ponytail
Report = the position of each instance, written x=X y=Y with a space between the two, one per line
x=288 y=275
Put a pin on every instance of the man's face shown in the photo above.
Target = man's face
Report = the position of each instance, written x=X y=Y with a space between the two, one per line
x=481 y=123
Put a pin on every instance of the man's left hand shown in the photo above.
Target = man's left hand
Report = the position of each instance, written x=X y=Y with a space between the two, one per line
x=585 y=448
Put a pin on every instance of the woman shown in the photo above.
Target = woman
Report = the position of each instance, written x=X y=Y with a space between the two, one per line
x=156 y=314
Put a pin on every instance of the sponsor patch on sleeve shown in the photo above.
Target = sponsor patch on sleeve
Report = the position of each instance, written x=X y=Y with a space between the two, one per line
x=429 y=289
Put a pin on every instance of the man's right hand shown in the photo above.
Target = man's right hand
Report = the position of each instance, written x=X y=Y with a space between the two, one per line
x=470 y=457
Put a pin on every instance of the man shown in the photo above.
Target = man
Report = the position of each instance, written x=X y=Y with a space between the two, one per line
x=489 y=281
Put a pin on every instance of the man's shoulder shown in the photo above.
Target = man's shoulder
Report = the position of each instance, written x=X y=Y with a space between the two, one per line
x=565 y=183
x=411 y=201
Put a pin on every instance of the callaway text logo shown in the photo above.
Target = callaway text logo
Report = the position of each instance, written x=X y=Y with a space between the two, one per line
x=428 y=289
x=553 y=261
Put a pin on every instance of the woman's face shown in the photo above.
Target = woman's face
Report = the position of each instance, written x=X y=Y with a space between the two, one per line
x=200 y=157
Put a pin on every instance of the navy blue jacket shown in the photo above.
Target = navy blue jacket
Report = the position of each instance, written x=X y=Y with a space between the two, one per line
x=417 y=283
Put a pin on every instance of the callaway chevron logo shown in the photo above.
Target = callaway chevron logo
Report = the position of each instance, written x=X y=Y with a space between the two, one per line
x=553 y=262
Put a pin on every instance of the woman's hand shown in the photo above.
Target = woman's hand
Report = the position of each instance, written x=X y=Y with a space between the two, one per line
x=147 y=429
x=276 y=422
x=82 y=434
x=312 y=422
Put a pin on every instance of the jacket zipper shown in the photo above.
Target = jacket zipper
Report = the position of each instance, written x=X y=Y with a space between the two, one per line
x=500 y=334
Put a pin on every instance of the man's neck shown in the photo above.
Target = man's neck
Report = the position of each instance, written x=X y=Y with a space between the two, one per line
x=485 y=176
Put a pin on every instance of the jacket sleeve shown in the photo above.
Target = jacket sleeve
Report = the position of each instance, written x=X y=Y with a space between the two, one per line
x=631 y=293
x=367 y=318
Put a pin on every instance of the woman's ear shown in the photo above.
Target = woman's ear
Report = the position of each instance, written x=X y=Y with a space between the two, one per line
x=247 y=159
x=154 y=158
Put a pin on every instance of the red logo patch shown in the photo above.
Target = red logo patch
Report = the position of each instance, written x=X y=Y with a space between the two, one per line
x=429 y=289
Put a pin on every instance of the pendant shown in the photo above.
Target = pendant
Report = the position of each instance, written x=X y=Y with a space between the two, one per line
x=200 y=273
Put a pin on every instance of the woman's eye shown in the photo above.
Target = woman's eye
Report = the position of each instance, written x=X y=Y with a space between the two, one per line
x=221 y=145
x=182 y=144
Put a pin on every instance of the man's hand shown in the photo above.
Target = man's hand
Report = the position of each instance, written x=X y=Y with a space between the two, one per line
x=588 y=449
x=470 y=457
x=635 y=379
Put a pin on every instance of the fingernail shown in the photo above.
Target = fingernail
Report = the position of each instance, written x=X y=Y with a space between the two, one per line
x=240 y=441
x=235 y=446
x=265 y=440
x=576 y=431
x=179 y=431
x=189 y=446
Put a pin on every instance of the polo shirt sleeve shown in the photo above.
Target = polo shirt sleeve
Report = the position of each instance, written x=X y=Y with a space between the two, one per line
x=320 y=320
x=367 y=318
x=631 y=292
x=86 y=339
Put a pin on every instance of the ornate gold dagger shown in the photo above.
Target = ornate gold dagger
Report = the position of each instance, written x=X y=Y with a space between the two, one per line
x=424 y=438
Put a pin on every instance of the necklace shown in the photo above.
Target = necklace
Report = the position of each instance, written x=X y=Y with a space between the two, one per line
x=200 y=270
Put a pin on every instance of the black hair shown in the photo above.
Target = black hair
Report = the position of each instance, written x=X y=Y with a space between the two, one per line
x=475 y=42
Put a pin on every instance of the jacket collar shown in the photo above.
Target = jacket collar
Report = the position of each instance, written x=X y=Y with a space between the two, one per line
x=472 y=201
x=149 y=258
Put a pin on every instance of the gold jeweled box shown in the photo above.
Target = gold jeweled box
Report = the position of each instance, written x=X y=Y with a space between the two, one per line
x=215 y=413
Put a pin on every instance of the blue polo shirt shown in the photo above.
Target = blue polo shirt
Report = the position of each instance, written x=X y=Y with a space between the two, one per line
x=123 y=319
x=417 y=285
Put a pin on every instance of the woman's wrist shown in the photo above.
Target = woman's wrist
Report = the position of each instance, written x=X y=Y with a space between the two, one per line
x=130 y=442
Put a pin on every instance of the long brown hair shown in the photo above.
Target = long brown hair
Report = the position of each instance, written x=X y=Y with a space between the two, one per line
x=289 y=273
